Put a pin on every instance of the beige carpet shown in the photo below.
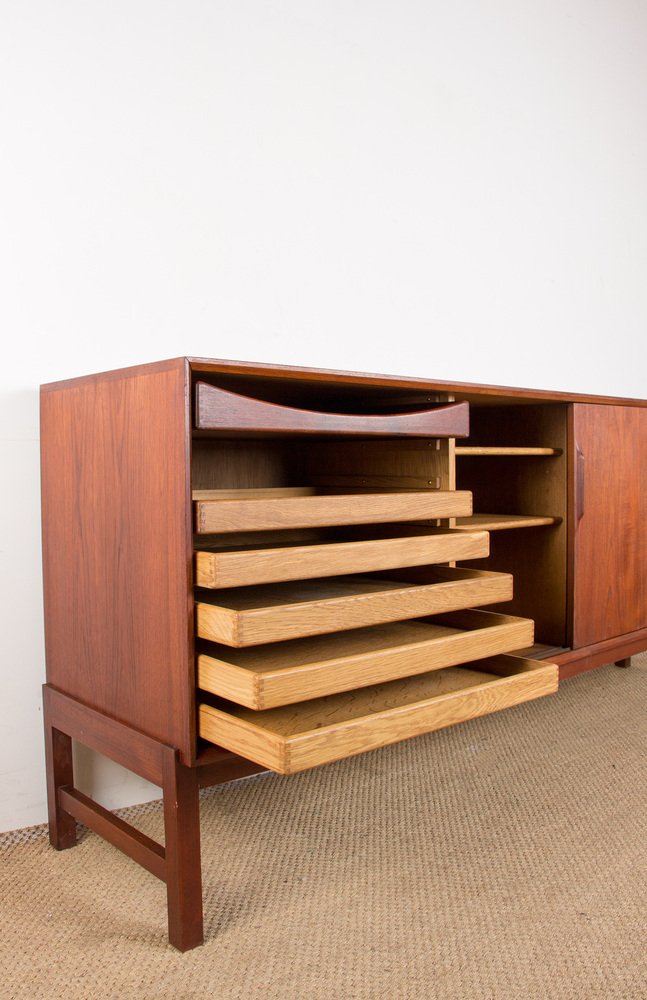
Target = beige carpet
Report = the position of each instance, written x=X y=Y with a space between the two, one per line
x=504 y=859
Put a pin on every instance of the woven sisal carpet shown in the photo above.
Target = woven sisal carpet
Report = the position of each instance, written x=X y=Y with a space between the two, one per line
x=503 y=859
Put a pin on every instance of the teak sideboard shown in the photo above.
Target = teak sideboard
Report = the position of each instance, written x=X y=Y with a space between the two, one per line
x=252 y=567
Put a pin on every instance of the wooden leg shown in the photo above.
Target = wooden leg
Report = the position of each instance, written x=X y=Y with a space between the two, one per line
x=626 y=662
x=178 y=862
x=60 y=771
x=182 y=850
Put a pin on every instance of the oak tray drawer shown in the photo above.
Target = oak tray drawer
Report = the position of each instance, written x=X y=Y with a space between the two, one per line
x=249 y=616
x=222 y=563
x=296 y=737
x=221 y=410
x=273 y=509
x=282 y=673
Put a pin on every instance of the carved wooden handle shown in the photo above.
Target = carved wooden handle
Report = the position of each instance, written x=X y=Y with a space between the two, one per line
x=222 y=410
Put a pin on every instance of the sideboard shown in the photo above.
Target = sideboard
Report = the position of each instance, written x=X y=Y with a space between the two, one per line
x=252 y=567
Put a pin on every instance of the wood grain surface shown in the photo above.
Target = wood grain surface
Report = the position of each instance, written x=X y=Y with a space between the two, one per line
x=527 y=486
x=276 y=562
x=503 y=450
x=264 y=513
x=503 y=522
x=251 y=615
x=296 y=737
x=222 y=410
x=282 y=673
x=117 y=549
x=610 y=535
x=251 y=374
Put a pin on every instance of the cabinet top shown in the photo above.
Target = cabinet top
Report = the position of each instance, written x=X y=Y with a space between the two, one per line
x=247 y=374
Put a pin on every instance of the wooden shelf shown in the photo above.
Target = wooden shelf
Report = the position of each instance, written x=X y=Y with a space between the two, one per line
x=248 y=616
x=539 y=651
x=295 y=737
x=302 y=669
x=477 y=450
x=219 y=564
x=250 y=510
x=503 y=522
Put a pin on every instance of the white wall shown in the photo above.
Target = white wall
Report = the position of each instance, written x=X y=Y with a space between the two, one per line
x=423 y=188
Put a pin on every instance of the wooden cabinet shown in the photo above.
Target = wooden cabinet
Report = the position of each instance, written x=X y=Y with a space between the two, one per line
x=252 y=567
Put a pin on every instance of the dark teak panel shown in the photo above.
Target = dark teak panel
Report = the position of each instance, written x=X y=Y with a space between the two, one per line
x=117 y=547
x=221 y=410
x=609 y=521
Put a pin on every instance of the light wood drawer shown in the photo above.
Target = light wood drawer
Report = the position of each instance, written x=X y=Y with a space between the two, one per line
x=221 y=410
x=219 y=511
x=249 y=616
x=286 y=672
x=297 y=737
x=225 y=565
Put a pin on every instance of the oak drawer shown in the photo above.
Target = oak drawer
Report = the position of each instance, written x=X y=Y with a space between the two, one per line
x=296 y=737
x=221 y=410
x=222 y=564
x=219 y=511
x=286 y=672
x=249 y=616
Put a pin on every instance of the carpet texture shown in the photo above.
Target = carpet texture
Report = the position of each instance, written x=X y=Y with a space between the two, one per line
x=502 y=859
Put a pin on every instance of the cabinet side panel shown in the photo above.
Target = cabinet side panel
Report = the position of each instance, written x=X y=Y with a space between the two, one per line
x=610 y=521
x=117 y=549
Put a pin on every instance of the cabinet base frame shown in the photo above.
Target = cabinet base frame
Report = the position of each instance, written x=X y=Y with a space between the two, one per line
x=178 y=863
x=620 y=648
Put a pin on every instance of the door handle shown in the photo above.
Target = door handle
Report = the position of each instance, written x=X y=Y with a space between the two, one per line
x=579 y=484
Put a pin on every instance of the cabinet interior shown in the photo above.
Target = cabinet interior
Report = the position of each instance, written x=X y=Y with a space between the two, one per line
x=532 y=485
x=323 y=396
x=320 y=463
x=518 y=477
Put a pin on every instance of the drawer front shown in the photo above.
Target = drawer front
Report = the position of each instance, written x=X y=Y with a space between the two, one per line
x=253 y=615
x=276 y=510
x=287 y=672
x=222 y=410
x=297 y=737
x=274 y=563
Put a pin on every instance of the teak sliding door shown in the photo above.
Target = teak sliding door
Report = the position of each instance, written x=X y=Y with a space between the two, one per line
x=609 y=521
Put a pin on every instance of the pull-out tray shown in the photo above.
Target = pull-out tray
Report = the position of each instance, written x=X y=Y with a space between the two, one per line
x=226 y=564
x=221 y=410
x=296 y=737
x=249 y=616
x=286 y=672
x=219 y=511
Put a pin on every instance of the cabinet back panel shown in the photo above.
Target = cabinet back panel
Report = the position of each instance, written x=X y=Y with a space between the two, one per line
x=353 y=465
x=531 y=555
x=223 y=464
